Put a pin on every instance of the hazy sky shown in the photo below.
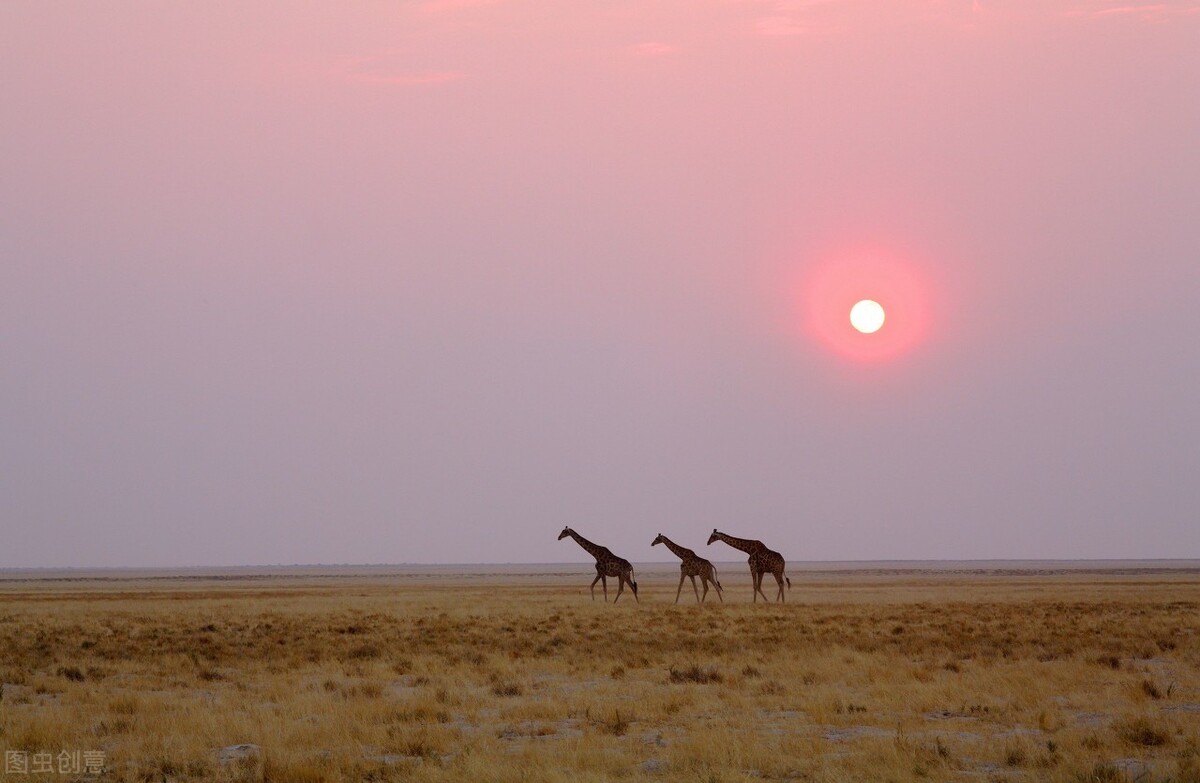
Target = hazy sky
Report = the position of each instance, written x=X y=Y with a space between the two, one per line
x=425 y=281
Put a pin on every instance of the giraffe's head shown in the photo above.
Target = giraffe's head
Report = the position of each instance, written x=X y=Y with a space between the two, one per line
x=713 y=537
x=658 y=540
x=566 y=532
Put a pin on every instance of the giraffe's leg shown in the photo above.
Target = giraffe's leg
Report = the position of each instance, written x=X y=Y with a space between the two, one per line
x=717 y=587
x=620 y=588
x=633 y=590
x=593 y=587
x=704 y=581
x=758 y=586
x=755 y=578
x=697 y=592
x=680 y=590
x=604 y=584
x=779 y=579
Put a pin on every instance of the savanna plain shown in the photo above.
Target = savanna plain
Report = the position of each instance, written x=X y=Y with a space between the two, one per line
x=863 y=675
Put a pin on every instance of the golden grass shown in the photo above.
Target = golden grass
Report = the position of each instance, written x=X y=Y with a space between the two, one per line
x=859 y=677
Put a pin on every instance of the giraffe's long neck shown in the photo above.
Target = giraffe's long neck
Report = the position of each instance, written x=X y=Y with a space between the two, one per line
x=592 y=549
x=744 y=544
x=679 y=551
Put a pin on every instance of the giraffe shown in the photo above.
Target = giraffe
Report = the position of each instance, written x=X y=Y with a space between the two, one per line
x=762 y=561
x=694 y=566
x=607 y=564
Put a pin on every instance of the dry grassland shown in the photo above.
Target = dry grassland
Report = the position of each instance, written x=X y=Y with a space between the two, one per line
x=860 y=677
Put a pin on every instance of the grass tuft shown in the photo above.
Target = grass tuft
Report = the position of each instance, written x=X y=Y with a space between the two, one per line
x=701 y=675
x=72 y=673
x=1144 y=732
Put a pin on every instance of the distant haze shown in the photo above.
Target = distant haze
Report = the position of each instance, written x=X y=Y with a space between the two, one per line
x=423 y=282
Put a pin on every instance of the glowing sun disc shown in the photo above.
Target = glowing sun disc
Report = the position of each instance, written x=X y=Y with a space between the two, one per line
x=866 y=316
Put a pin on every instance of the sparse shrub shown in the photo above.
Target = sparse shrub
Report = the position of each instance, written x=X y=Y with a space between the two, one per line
x=71 y=673
x=160 y=769
x=1143 y=731
x=1015 y=756
x=1046 y=760
x=418 y=747
x=926 y=757
x=1151 y=689
x=367 y=690
x=500 y=688
x=538 y=730
x=1100 y=773
x=197 y=768
x=364 y=652
x=617 y=673
x=415 y=713
x=942 y=750
x=616 y=725
x=701 y=675
x=443 y=695
x=751 y=672
x=14 y=677
x=772 y=688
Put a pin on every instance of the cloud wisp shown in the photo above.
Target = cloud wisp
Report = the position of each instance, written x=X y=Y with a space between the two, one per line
x=653 y=49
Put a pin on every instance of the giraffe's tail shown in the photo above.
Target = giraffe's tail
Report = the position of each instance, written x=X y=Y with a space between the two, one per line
x=632 y=583
x=789 y=581
x=716 y=581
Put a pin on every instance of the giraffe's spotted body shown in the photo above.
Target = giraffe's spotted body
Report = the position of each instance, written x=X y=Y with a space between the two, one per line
x=762 y=561
x=607 y=564
x=692 y=565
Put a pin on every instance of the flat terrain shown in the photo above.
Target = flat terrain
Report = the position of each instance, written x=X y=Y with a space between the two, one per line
x=1058 y=672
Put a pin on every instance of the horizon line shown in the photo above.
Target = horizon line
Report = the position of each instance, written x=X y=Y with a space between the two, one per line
x=428 y=564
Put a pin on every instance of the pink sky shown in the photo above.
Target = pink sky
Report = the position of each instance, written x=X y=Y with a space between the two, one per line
x=424 y=282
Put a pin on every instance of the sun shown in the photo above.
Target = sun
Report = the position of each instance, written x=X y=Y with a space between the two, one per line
x=842 y=293
x=867 y=316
